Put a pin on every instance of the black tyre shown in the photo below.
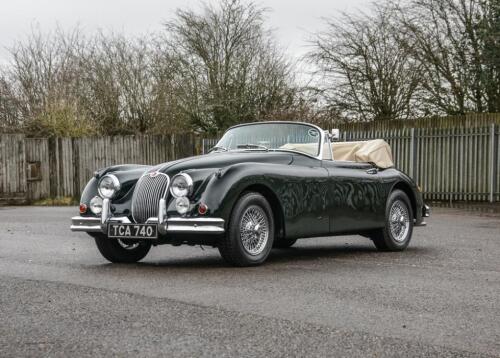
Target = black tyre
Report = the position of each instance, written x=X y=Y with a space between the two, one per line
x=284 y=243
x=121 y=251
x=398 y=230
x=250 y=233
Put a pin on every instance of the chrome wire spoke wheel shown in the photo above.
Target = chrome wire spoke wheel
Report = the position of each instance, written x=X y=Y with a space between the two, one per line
x=399 y=221
x=254 y=230
x=128 y=245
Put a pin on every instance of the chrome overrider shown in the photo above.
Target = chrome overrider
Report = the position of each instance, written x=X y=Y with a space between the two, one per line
x=165 y=225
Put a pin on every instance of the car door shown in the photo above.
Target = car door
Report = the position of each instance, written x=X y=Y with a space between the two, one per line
x=356 y=198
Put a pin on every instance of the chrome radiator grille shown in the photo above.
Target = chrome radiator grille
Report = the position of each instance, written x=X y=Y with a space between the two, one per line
x=150 y=188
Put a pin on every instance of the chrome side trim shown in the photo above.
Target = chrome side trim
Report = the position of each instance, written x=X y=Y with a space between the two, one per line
x=195 y=225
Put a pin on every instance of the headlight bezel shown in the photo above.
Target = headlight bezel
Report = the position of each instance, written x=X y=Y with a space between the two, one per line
x=116 y=186
x=188 y=185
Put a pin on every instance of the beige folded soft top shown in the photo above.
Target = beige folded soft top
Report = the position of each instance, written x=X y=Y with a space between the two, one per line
x=376 y=151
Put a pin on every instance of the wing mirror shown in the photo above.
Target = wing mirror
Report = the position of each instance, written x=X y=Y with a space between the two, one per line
x=334 y=135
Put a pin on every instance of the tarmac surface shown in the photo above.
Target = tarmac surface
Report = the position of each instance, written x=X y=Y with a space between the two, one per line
x=324 y=297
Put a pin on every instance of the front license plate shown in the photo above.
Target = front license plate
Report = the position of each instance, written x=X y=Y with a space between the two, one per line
x=133 y=231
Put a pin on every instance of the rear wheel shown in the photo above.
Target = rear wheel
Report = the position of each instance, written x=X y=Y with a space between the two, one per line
x=250 y=233
x=398 y=229
x=121 y=251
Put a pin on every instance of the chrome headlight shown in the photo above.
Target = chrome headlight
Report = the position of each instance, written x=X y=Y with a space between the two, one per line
x=182 y=185
x=109 y=186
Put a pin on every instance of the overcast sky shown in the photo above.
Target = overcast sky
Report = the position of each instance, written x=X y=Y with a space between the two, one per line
x=292 y=20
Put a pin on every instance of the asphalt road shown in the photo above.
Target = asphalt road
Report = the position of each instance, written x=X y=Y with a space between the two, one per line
x=324 y=297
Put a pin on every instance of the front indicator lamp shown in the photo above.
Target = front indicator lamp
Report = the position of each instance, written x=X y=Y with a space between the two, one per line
x=202 y=209
x=83 y=208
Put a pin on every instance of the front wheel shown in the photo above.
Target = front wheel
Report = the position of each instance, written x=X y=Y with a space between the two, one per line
x=250 y=233
x=121 y=251
x=398 y=229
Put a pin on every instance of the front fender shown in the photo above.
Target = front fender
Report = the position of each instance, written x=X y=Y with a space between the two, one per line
x=300 y=191
x=225 y=186
x=126 y=174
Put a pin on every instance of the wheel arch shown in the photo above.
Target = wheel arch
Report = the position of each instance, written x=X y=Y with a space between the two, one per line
x=406 y=188
x=272 y=199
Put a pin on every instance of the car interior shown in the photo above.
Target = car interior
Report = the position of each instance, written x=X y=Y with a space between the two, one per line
x=376 y=151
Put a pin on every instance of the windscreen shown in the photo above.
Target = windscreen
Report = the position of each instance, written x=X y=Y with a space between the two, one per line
x=272 y=136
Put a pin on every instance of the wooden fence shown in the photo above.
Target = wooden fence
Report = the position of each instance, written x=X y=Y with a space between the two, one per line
x=37 y=168
x=452 y=164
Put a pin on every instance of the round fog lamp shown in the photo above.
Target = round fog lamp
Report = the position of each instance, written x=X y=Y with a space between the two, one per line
x=96 y=205
x=182 y=205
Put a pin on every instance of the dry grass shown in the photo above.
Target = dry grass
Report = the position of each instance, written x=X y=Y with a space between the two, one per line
x=58 y=201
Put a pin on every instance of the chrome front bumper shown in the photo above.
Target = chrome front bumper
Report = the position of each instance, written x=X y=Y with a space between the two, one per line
x=165 y=225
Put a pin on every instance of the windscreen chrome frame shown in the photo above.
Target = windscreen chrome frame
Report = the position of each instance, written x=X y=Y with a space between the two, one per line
x=321 y=135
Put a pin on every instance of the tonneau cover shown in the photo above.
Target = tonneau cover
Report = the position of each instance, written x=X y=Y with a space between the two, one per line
x=375 y=151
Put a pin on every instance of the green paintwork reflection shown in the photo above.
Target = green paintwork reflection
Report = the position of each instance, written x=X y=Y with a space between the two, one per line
x=310 y=196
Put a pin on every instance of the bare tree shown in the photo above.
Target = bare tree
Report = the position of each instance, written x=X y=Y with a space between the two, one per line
x=363 y=71
x=64 y=84
x=44 y=83
x=9 y=119
x=118 y=85
x=455 y=42
x=489 y=38
x=230 y=69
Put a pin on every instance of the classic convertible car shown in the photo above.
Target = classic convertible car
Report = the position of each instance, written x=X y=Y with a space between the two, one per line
x=263 y=185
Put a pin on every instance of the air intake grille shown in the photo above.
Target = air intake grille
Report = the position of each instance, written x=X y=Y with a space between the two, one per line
x=147 y=194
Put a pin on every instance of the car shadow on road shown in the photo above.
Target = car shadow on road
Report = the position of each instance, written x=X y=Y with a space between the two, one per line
x=294 y=255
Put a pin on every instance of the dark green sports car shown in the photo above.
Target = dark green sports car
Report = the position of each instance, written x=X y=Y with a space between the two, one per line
x=263 y=185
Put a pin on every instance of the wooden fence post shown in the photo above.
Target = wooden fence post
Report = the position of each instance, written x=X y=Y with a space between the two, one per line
x=413 y=154
x=53 y=167
x=493 y=162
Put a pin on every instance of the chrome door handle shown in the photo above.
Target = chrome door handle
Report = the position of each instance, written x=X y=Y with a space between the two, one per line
x=372 y=171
